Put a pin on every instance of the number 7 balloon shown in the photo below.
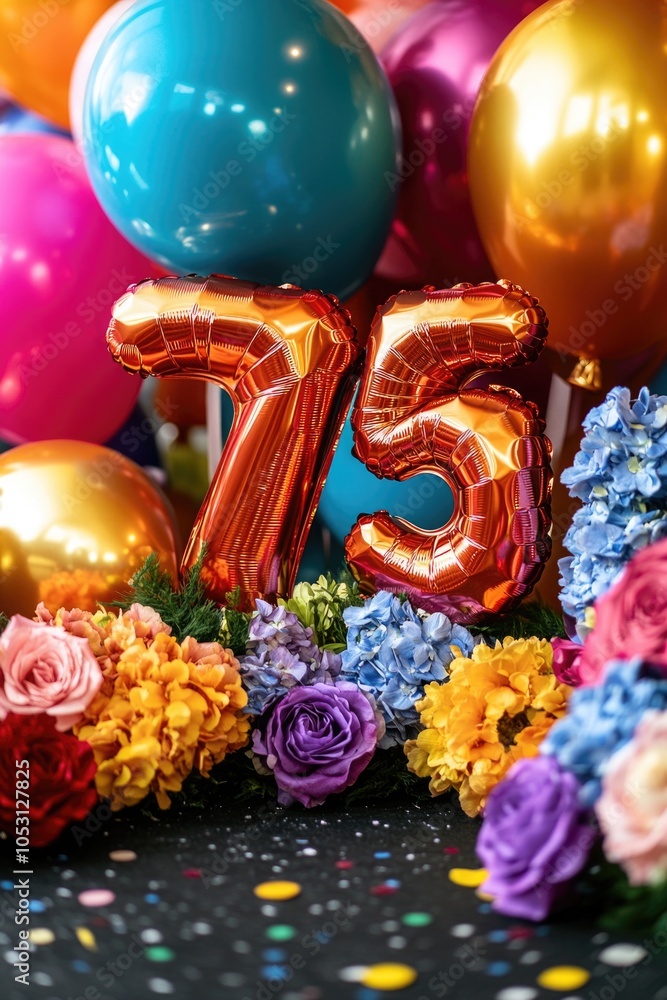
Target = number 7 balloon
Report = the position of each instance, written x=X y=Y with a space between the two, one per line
x=290 y=360
x=414 y=414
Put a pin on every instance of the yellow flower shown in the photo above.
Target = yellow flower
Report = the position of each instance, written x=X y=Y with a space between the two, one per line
x=165 y=708
x=496 y=707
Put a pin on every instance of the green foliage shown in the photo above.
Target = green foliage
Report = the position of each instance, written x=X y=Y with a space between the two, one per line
x=235 y=624
x=4 y=622
x=641 y=908
x=531 y=618
x=184 y=608
x=320 y=606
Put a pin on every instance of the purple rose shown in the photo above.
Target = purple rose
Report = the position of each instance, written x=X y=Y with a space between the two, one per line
x=567 y=656
x=318 y=740
x=535 y=838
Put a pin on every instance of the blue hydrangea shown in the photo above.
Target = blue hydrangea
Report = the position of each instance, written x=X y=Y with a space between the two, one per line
x=602 y=719
x=620 y=473
x=392 y=653
x=280 y=653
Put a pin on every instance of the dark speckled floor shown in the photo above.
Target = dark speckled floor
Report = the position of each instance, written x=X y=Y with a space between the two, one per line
x=185 y=921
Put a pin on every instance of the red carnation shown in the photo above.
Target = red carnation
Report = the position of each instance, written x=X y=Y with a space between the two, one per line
x=61 y=774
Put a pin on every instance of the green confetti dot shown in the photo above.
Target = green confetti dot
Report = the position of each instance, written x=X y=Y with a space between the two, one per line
x=417 y=919
x=159 y=954
x=280 y=932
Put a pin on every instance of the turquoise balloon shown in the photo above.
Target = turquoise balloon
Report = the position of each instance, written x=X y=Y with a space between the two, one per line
x=351 y=490
x=245 y=137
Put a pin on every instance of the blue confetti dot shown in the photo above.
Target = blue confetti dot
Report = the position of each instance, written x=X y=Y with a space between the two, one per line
x=484 y=908
x=80 y=966
x=366 y=994
x=393 y=883
x=152 y=897
x=274 y=955
x=36 y=906
x=6 y=885
x=497 y=936
x=382 y=855
x=498 y=968
x=275 y=972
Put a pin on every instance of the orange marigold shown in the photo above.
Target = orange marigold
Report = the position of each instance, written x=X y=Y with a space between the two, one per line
x=496 y=707
x=164 y=708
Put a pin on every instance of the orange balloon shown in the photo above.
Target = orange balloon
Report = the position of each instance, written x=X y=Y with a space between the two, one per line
x=412 y=415
x=289 y=359
x=76 y=522
x=567 y=157
x=378 y=20
x=39 y=42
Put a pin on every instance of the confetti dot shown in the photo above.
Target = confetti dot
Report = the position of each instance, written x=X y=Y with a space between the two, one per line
x=498 y=968
x=417 y=919
x=192 y=873
x=42 y=935
x=151 y=936
x=123 y=856
x=96 y=897
x=389 y=976
x=462 y=930
x=344 y=865
x=353 y=973
x=517 y=993
x=162 y=986
x=159 y=954
x=469 y=878
x=86 y=938
x=451 y=850
x=622 y=955
x=280 y=932
x=563 y=978
x=277 y=891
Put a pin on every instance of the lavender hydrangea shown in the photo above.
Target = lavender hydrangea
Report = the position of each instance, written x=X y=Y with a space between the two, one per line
x=620 y=473
x=392 y=653
x=281 y=654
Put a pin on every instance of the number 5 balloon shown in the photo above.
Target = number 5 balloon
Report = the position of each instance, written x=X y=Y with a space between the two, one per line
x=414 y=415
x=289 y=359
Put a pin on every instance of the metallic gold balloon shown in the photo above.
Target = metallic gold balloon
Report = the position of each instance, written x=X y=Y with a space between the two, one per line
x=39 y=41
x=412 y=415
x=76 y=521
x=567 y=157
x=289 y=359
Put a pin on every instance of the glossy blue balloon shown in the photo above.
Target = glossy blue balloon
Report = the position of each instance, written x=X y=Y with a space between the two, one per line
x=351 y=490
x=247 y=137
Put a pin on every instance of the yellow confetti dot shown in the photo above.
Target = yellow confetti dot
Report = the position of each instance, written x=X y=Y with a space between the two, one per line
x=563 y=978
x=86 y=938
x=469 y=878
x=42 y=935
x=389 y=976
x=277 y=891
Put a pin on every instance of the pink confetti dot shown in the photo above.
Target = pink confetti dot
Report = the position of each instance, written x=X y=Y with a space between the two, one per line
x=451 y=850
x=96 y=897
x=344 y=865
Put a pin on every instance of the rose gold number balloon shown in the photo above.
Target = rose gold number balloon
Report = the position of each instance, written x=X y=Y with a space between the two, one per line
x=289 y=360
x=412 y=415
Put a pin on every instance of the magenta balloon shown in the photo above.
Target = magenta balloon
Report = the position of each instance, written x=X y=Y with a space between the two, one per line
x=62 y=265
x=436 y=63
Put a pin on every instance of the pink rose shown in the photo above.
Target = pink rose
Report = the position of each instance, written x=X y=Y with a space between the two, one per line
x=631 y=618
x=46 y=670
x=566 y=661
x=632 y=809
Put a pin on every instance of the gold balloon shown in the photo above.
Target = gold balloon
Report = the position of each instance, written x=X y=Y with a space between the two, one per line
x=76 y=521
x=567 y=159
x=39 y=41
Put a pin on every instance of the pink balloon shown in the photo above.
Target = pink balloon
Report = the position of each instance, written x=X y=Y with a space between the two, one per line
x=62 y=265
x=436 y=63
x=84 y=64
x=378 y=20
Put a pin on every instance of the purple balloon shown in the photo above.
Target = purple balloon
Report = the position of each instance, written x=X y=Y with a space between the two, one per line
x=436 y=63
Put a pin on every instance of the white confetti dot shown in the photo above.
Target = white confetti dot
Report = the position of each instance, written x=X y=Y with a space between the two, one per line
x=162 y=986
x=517 y=993
x=621 y=955
x=353 y=973
x=463 y=930
x=202 y=928
x=151 y=936
x=531 y=957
